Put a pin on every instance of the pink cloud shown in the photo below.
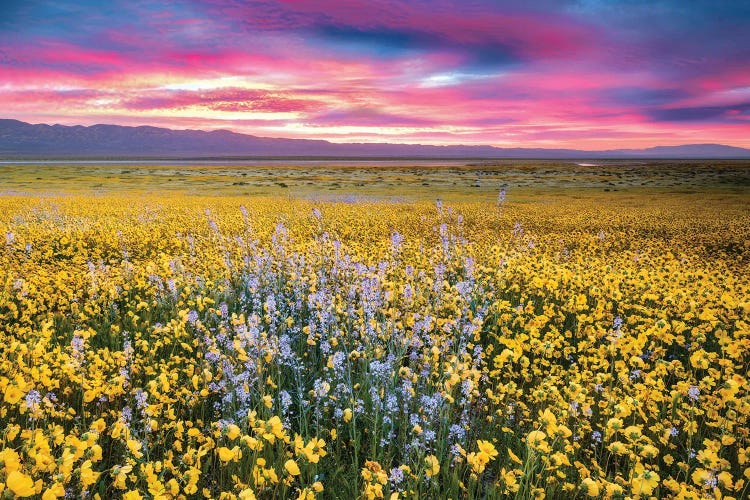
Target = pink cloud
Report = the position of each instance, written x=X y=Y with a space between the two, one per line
x=378 y=70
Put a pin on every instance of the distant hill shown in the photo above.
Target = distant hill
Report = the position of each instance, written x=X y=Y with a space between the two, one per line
x=19 y=139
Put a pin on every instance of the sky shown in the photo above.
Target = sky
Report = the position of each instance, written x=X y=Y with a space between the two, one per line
x=585 y=74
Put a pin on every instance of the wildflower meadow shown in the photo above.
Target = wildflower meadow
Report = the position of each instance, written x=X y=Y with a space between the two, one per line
x=238 y=348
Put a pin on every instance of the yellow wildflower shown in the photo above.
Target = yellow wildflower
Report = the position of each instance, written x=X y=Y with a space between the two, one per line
x=433 y=465
x=20 y=484
x=291 y=467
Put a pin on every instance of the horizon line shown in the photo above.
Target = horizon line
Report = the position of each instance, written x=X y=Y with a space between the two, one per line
x=377 y=157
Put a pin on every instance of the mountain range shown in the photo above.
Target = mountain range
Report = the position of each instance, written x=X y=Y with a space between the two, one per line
x=24 y=140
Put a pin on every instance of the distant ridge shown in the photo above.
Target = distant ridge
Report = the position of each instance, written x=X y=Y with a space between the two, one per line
x=23 y=140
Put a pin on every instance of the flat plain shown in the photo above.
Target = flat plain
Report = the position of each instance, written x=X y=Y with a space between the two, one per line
x=400 y=179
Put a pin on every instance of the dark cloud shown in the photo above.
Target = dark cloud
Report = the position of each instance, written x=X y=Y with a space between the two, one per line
x=388 y=42
x=644 y=96
x=739 y=112
x=380 y=39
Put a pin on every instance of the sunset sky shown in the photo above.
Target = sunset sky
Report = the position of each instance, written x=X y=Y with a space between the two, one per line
x=583 y=74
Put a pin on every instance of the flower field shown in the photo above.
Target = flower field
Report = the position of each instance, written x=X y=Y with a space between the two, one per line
x=227 y=347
